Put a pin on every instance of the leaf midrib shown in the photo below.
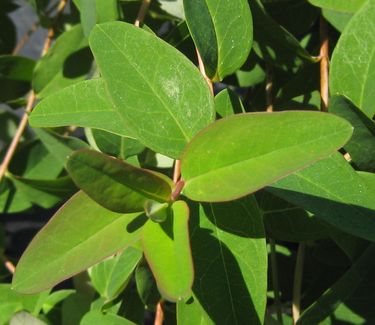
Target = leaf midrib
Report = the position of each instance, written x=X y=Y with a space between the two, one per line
x=245 y=161
x=139 y=191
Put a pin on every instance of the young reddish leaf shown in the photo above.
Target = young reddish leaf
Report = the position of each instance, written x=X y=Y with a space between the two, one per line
x=115 y=184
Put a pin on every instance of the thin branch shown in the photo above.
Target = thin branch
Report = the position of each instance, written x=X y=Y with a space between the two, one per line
x=17 y=137
x=142 y=13
x=324 y=65
x=203 y=72
x=30 y=102
x=269 y=86
x=177 y=171
x=25 y=38
x=297 y=284
x=275 y=280
x=159 y=317
x=8 y=264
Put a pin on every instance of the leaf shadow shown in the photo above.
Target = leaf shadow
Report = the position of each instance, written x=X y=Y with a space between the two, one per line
x=350 y=218
x=229 y=216
x=136 y=223
x=216 y=266
x=78 y=63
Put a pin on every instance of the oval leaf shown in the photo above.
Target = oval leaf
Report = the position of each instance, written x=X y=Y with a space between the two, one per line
x=353 y=61
x=243 y=153
x=79 y=235
x=116 y=185
x=222 y=31
x=158 y=93
x=167 y=250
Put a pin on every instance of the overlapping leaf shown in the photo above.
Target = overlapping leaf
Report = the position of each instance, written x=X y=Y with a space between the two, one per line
x=79 y=235
x=167 y=250
x=353 y=61
x=230 y=256
x=335 y=192
x=115 y=184
x=361 y=146
x=222 y=31
x=67 y=62
x=237 y=155
x=157 y=96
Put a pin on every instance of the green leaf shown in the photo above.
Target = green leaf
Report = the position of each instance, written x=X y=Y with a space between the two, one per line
x=146 y=286
x=45 y=193
x=33 y=161
x=74 y=308
x=67 y=62
x=114 y=145
x=167 y=250
x=15 y=76
x=12 y=302
x=237 y=155
x=16 y=68
x=229 y=249
x=60 y=146
x=12 y=201
x=361 y=146
x=333 y=191
x=85 y=104
x=157 y=212
x=159 y=94
x=353 y=61
x=111 y=276
x=55 y=298
x=274 y=43
x=287 y=222
x=228 y=103
x=96 y=317
x=81 y=228
x=222 y=31
x=341 y=290
x=337 y=19
x=339 y=5
x=96 y=12
x=115 y=184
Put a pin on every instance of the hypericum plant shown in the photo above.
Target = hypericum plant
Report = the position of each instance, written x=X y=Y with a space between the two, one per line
x=179 y=189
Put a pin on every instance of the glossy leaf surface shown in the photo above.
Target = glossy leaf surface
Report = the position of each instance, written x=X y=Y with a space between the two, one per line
x=164 y=104
x=115 y=184
x=352 y=74
x=335 y=192
x=167 y=250
x=79 y=235
x=236 y=156
x=222 y=31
